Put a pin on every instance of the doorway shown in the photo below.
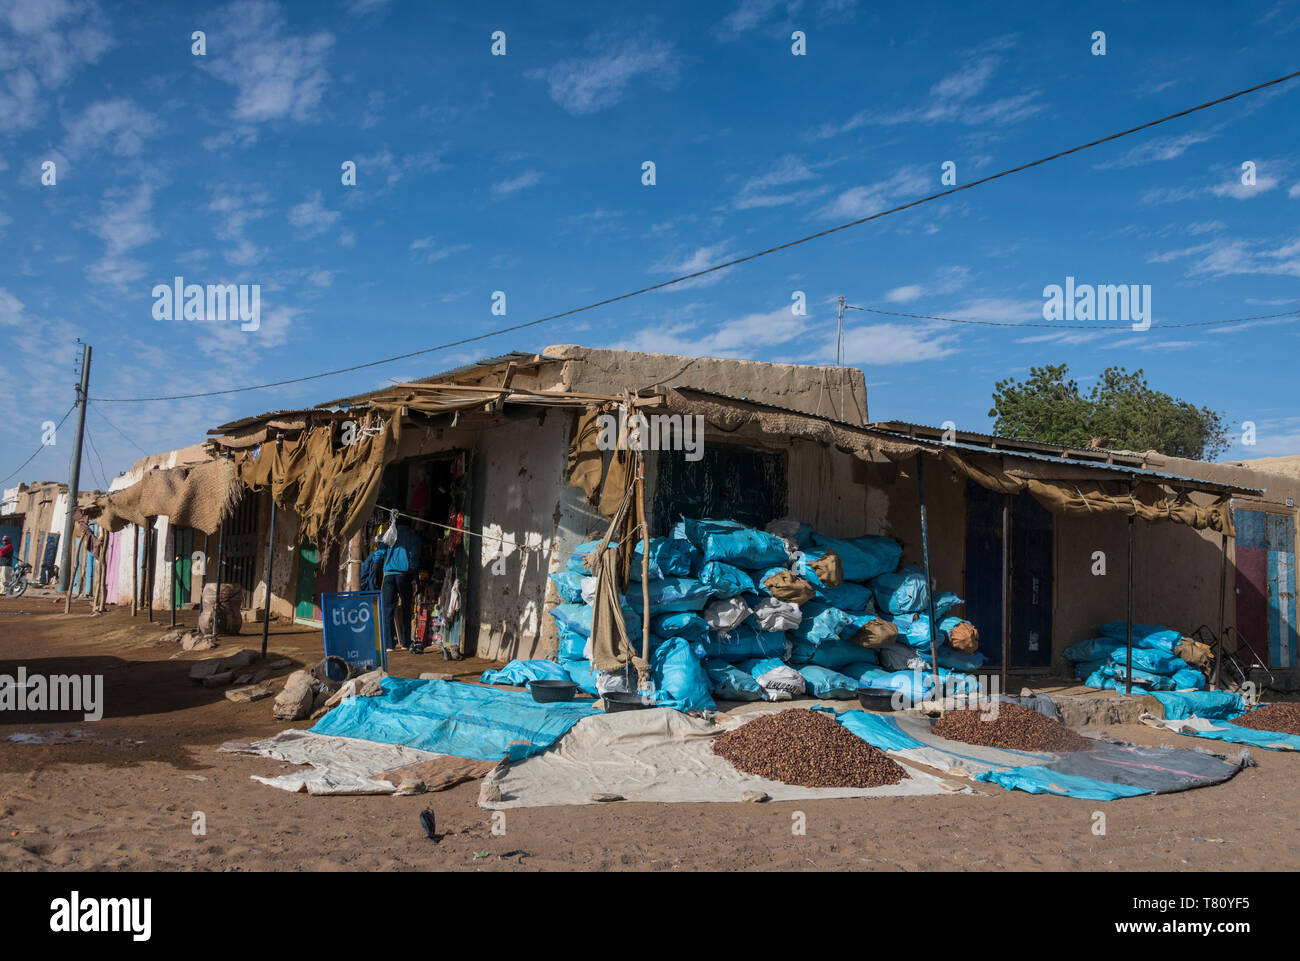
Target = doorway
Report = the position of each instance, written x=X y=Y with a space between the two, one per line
x=1032 y=531
x=1266 y=584
x=316 y=576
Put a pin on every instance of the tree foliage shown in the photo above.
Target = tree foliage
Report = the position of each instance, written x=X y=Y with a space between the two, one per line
x=1120 y=411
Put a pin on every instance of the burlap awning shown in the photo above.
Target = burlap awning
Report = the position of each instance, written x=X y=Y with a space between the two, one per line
x=201 y=497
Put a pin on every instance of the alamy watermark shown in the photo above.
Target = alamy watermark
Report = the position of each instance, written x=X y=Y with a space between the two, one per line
x=684 y=432
x=181 y=301
x=57 y=693
x=1127 y=302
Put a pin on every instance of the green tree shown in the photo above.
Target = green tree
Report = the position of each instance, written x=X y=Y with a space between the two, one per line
x=1121 y=411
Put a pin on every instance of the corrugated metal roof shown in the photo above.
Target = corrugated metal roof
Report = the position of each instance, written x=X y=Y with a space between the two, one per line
x=477 y=366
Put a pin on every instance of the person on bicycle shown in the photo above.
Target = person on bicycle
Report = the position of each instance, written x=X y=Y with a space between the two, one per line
x=6 y=563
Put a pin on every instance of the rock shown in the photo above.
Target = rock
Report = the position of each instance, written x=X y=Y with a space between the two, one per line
x=295 y=702
x=601 y=798
x=1080 y=710
x=215 y=665
x=489 y=793
x=194 y=641
x=246 y=678
x=433 y=676
x=243 y=695
x=219 y=679
x=174 y=636
x=410 y=785
x=280 y=664
x=756 y=797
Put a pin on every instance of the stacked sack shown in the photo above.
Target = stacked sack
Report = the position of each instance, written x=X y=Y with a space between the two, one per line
x=772 y=614
x=1102 y=662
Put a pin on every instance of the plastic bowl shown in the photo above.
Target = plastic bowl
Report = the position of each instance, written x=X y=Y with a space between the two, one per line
x=547 y=692
x=618 y=701
x=878 y=699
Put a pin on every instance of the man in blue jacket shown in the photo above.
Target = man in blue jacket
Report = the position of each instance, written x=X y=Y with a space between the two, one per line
x=400 y=563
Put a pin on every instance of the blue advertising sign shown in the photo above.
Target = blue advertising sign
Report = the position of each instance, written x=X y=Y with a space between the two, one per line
x=352 y=630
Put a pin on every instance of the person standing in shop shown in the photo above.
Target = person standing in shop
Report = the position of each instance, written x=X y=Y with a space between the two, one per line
x=400 y=562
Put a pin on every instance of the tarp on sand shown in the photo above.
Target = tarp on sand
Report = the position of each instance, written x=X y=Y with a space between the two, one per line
x=658 y=755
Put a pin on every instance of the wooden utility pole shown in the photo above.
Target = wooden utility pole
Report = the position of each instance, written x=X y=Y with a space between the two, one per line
x=65 y=544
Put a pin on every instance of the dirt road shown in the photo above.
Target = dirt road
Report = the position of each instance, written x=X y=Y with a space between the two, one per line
x=123 y=793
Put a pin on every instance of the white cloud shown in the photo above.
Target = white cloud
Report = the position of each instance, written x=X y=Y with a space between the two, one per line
x=904 y=294
x=1294 y=192
x=1158 y=149
x=735 y=338
x=585 y=85
x=759 y=191
x=45 y=44
x=276 y=74
x=700 y=259
x=312 y=217
x=904 y=184
x=433 y=252
x=125 y=222
x=119 y=125
x=946 y=281
x=238 y=205
x=512 y=185
x=1230 y=256
x=880 y=344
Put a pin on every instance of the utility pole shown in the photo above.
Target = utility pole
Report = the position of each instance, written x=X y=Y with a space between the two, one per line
x=65 y=543
x=839 y=354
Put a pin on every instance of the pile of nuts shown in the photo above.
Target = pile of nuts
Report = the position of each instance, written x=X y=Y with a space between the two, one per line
x=1283 y=717
x=807 y=749
x=1016 y=728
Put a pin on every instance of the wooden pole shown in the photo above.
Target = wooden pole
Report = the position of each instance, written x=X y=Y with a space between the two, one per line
x=135 y=569
x=1128 y=633
x=76 y=567
x=150 y=547
x=645 y=556
x=1223 y=611
x=270 y=570
x=1006 y=588
x=172 y=570
x=929 y=591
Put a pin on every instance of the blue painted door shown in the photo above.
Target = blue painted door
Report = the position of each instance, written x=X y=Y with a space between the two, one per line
x=1266 y=584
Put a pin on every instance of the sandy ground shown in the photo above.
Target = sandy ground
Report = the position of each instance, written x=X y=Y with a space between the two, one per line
x=123 y=794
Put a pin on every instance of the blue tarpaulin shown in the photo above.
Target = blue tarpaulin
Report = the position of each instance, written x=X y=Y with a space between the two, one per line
x=445 y=717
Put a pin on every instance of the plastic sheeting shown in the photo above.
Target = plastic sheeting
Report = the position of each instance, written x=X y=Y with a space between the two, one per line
x=519 y=673
x=659 y=756
x=445 y=717
x=1227 y=731
x=863 y=557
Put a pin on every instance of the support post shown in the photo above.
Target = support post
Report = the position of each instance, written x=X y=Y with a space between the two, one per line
x=1006 y=588
x=929 y=590
x=270 y=570
x=1223 y=610
x=135 y=569
x=149 y=560
x=1128 y=626
x=65 y=544
x=172 y=569
x=216 y=600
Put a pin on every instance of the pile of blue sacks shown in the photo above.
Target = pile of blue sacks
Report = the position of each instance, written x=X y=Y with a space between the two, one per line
x=728 y=564
x=1102 y=662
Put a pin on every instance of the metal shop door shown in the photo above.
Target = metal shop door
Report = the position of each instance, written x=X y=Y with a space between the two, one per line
x=1031 y=576
x=1266 y=584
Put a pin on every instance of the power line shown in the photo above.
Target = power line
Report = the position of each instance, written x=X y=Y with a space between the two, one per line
x=39 y=449
x=103 y=474
x=119 y=430
x=726 y=264
x=1293 y=314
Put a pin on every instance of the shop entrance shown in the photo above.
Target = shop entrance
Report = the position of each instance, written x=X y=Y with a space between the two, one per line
x=1266 y=584
x=314 y=578
x=435 y=491
x=1031 y=576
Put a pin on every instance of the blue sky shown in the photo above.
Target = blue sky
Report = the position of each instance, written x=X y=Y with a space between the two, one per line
x=523 y=173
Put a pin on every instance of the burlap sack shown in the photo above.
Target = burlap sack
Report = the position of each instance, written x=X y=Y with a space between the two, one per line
x=964 y=638
x=875 y=634
x=229 y=618
x=790 y=587
x=829 y=569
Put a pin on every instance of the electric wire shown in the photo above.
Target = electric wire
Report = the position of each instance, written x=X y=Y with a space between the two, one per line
x=1293 y=314
x=19 y=468
x=724 y=265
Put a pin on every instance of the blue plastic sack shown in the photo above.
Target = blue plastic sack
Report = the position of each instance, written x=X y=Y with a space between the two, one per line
x=914 y=685
x=679 y=678
x=1082 y=669
x=736 y=544
x=761 y=576
x=1188 y=677
x=581 y=673
x=1151 y=660
x=730 y=683
x=577 y=560
x=914 y=631
x=1145 y=635
x=671 y=594
x=1211 y=705
x=759 y=666
x=824 y=682
x=576 y=618
x=725 y=580
x=821 y=623
x=571 y=645
x=669 y=557
x=740 y=644
x=864 y=671
x=1093 y=649
x=945 y=602
x=1146 y=679
x=685 y=624
x=863 y=557
x=902 y=593
x=569 y=586
x=803 y=566
x=519 y=673
x=849 y=597
x=833 y=654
